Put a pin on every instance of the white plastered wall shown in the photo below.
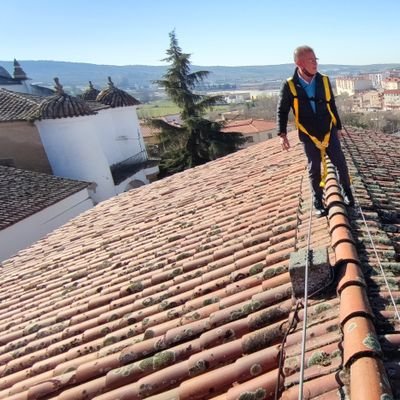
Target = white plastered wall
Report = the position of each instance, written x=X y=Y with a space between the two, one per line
x=27 y=231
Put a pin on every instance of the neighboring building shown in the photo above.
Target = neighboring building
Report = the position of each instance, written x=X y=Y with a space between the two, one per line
x=20 y=143
x=106 y=148
x=391 y=83
x=368 y=101
x=233 y=97
x=391 y=99
x=237 y=97
x=19 y=82
x=33 y=204
x=376 y=79
x=231 y=115
x=254 y=130
x=149 y=133
x=185 y=288
x=352 y=84
x=94 y=141
x=173 y=119
x=395 y=72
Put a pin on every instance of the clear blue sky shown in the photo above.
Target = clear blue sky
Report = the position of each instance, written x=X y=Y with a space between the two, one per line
x=215 y=32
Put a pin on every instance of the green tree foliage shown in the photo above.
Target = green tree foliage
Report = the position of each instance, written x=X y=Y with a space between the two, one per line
x=197 y=140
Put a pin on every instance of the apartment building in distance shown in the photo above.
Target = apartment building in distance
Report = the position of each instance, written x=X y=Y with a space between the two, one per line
x=371 y=92
x=391 y=83
x=353 y=84
x=391 y=91
x=370 y=100
x=391 y=99
x=376 y=79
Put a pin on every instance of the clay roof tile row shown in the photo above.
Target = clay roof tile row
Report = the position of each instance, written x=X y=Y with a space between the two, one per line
x=18 y=106
x=27 y=107
x=181 y=289
x=23 y=193
x=249 y=126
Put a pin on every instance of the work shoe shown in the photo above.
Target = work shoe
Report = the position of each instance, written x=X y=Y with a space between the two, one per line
x=348 y=198
x=319 y=209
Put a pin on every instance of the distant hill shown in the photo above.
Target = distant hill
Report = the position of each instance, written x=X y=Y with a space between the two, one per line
x=140 y=76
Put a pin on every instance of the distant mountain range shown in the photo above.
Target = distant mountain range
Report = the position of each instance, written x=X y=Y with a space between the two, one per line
x=142 y=76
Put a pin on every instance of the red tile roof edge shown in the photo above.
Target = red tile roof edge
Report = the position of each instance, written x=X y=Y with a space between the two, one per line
x=250 y=126
x=362 y=353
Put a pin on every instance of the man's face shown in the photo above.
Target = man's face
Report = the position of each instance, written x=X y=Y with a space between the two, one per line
x=308 y=61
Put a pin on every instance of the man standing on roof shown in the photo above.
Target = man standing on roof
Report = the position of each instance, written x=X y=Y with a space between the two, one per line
x=309 y=94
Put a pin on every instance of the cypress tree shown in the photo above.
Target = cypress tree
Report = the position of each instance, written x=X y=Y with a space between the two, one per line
x=198 y=140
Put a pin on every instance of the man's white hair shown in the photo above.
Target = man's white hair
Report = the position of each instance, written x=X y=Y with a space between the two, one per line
x=300 y=51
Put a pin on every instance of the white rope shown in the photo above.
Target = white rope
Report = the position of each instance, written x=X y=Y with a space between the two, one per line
x=304 y=333
x=379 y=262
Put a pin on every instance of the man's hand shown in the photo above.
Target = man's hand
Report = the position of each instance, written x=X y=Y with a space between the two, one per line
x=285 y=142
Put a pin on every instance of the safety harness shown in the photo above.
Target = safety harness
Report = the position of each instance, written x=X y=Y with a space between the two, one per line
x=321 y=146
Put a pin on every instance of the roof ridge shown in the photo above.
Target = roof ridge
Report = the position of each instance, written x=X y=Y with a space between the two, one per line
x=362 y=354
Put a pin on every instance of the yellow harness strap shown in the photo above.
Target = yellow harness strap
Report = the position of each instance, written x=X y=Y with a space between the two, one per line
x=321 y=146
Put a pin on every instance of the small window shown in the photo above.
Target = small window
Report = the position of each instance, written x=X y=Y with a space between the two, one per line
x=250 y=139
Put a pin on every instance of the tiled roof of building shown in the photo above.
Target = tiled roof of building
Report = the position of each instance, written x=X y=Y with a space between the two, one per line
x=15 y=106
x=96 y=106
x=392 y=91
x=41 y=90
x=18 y=106
x=173 y=119
x=392 y=79
x=114 y=97
x=23 y=193
x=8 y=81
x=4 y=73
x=180 y=289
x=249 y=126
x=149 y=130
x=62 y=105
x=90 y=93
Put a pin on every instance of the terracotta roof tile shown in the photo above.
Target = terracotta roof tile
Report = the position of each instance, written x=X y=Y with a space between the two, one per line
x=249 y=126
x=181 y=289
x=62 y=105
x=90 y=93
x=18 y=106
x=114 y=97
x=24 y=193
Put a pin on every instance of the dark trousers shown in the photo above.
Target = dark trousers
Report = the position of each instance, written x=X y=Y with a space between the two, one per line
x=335 y=154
